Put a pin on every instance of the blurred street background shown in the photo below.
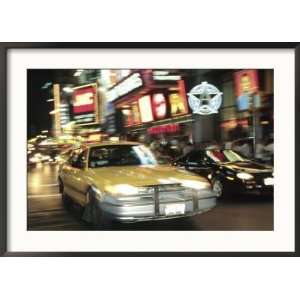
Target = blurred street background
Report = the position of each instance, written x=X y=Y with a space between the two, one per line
x=155 y=107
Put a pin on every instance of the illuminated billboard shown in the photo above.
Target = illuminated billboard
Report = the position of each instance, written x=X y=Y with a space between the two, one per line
x=145 y=107
x=85 y=103
x=84 y=99
x=246 y=89
x=126 y=86
x=177 y=104
x=159 y=106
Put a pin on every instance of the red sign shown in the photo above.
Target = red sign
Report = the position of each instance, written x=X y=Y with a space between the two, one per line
x=159 y=106
x=169 y=128
x=84 y=99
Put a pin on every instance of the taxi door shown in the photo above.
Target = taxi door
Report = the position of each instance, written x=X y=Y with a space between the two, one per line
x=75 y=184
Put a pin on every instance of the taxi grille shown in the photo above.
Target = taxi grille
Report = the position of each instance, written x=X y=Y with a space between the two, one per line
x=159 y=196
x=166 y=193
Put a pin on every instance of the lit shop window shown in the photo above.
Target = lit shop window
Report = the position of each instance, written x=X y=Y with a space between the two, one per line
x=159 y=106
x=127 y=116
x=136 y=118
x=145 y=109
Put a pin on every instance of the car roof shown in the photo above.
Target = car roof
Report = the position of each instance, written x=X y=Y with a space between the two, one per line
x=111 y=143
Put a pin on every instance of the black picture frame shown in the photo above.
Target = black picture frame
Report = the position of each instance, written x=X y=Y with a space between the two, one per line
x=4 y=47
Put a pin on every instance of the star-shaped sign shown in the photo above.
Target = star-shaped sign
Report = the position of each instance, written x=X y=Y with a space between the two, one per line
x=205 y=99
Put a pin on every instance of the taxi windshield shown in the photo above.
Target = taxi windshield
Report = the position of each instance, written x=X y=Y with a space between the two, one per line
x=224 y=156
x=120 y=155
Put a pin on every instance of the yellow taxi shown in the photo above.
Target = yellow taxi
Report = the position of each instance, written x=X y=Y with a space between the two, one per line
x=123 y=181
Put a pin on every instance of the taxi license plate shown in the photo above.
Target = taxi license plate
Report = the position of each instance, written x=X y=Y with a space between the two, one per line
x=175 y=209
x=269 y=181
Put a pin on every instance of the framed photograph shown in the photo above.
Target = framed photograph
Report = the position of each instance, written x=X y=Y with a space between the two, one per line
x=149 y=149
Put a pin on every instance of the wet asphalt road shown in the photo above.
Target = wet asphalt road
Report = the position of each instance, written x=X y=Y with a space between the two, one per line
x=45 y=210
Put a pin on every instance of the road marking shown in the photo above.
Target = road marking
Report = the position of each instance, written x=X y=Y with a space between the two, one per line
x=43 y=196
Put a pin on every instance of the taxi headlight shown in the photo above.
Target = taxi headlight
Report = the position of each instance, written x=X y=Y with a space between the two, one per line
x=103 y=196
x=122 y=190
x=244 y=176
x=196 y=185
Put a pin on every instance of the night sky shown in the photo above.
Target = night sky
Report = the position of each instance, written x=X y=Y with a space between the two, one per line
x=38 y=108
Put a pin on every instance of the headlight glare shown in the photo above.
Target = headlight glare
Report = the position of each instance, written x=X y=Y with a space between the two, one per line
x=122 y=189
x=196 y=185
x=244 y=176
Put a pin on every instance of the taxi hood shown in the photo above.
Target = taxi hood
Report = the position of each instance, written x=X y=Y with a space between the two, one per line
x=141 y=175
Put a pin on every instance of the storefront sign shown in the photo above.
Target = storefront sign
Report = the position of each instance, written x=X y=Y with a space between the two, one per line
x=168 y=128
x=159 y=106
x=126 y=86
x=205 y=99
x=145 y=108
x=246 y=89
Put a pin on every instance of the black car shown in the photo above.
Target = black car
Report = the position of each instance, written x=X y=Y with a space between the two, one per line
x=229 y=172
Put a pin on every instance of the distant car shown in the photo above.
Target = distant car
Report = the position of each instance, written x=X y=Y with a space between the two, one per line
x=122 y=181
x=229 y=172
x=39 y=158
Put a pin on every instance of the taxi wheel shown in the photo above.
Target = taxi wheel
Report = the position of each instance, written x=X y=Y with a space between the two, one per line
x=217 y=187
x=60 y=186
x=66 y=200
x=92 y=212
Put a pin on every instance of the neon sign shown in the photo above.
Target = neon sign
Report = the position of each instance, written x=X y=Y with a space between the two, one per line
x=168 y=128
x=205 y=99
x=145 y=109
x=128 y=85
x=177 y=104
x=159 y=106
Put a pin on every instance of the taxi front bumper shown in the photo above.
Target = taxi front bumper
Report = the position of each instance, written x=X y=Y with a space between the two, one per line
x=159 y=209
